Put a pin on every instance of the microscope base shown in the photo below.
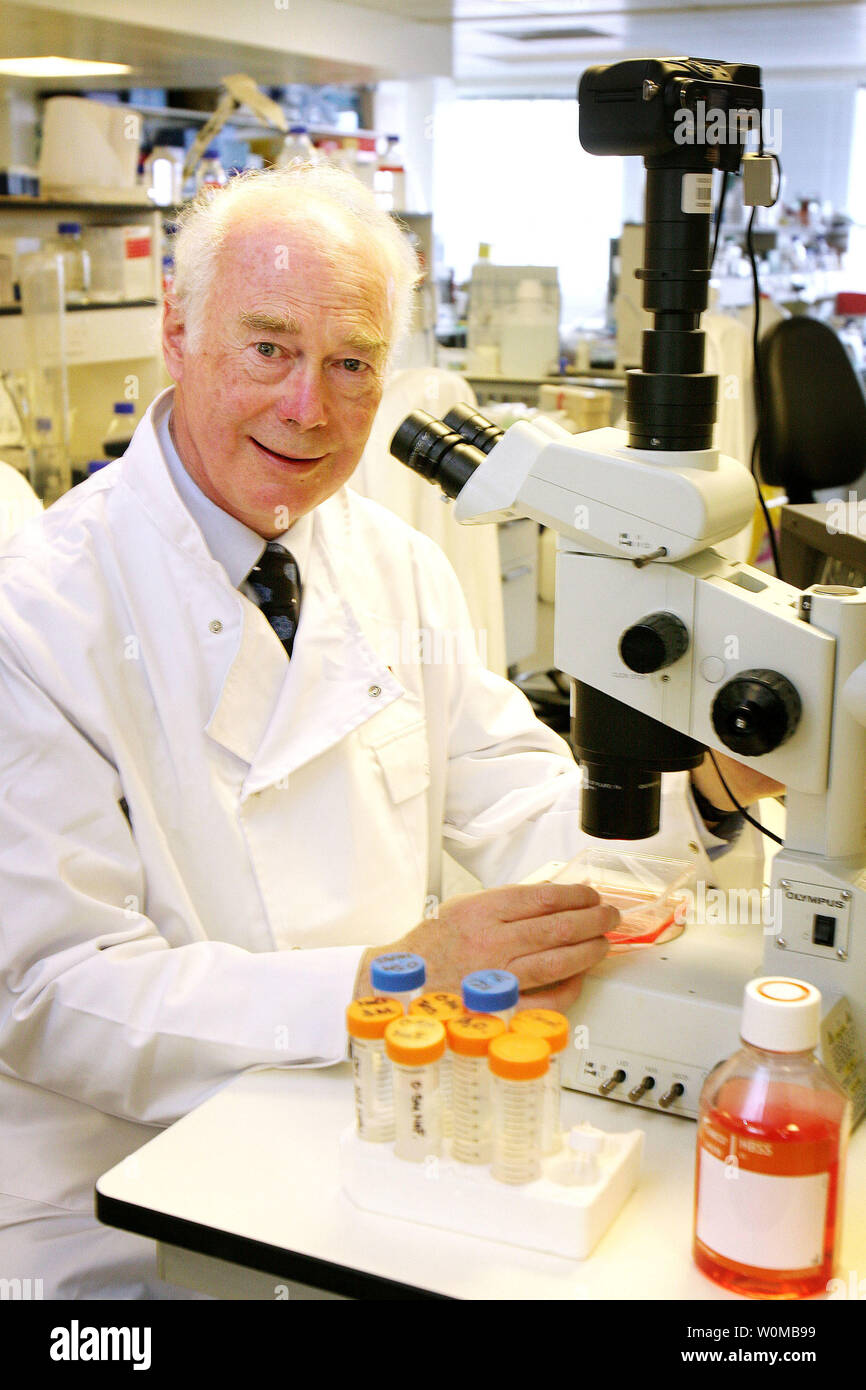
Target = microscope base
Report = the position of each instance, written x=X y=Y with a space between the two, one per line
x=662 y=1014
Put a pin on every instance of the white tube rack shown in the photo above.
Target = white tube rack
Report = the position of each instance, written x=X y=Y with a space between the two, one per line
x=542 y=1215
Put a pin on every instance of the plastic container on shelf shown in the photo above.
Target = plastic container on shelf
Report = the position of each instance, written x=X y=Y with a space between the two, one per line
x=389 y=180
x=529 y=334
x=651 y=893
x=519 y=1066
x=366 y=1021
x=76 y=262
x=415 y=1047
x=469 y=1039
x=366 y=162
x=163 y=175
x=297 y=145
x=772 y=1136
x=491 y=992
x=553 y=1028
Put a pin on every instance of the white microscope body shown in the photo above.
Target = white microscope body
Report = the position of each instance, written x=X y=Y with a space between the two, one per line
x=636 y=536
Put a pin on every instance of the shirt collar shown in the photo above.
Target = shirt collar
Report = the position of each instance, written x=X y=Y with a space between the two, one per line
x=234 y=545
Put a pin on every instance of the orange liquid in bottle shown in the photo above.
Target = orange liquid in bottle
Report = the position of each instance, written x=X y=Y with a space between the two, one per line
x=799 y=1135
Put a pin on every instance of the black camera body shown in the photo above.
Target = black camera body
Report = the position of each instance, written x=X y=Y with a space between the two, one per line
x=645 y=106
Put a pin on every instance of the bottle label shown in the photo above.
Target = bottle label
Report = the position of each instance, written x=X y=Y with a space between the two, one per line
x=762 y=1205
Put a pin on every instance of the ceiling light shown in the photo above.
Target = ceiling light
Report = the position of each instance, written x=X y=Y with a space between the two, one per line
x=59 y=67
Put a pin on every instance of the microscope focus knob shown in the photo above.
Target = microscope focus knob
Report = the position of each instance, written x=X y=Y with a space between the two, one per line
x=756 y=712
x=658 y=640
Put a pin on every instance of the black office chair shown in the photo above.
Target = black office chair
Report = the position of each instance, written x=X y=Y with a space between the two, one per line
x=812 y=421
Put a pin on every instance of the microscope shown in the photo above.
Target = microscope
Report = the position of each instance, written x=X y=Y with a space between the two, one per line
x=673 y=648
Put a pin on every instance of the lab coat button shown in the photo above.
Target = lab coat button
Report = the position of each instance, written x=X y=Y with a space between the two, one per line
x=215 y=625
x=375 y=691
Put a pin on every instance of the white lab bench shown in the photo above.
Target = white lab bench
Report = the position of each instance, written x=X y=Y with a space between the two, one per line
x=243 y=1198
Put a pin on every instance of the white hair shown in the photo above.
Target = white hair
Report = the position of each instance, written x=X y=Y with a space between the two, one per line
x=297 y=192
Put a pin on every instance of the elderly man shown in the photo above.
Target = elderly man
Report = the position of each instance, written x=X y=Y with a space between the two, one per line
x=219 y=799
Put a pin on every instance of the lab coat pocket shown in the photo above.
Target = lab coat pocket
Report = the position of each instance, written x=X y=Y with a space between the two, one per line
x=404 y=761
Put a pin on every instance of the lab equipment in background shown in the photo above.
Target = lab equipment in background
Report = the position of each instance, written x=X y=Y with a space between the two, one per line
x=163 y=175
x=415 y=1046
x=120 y=429
x=772 y=1137
x=389 y=179
x=44 y=321
x=210 y=172
x=298 y=145
x=89 y=150
x=398 y=976
x=519 y=1067
x=553 y=1028
x=366 y=1021
x=584 y=408
x=469 y=1038
x=442 y=1007
x=240 y=90
x=529 y=334
x=491 y=992
x=76 y=262
x=14 y=416
x=121 y=263
x=495 y=310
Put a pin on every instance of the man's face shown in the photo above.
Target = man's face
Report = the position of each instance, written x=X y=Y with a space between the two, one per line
x=273 y=409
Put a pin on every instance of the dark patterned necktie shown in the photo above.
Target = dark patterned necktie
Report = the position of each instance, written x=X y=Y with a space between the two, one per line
x=277 y=582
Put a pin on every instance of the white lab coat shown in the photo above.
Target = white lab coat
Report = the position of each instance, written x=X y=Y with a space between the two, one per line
x=280 y=817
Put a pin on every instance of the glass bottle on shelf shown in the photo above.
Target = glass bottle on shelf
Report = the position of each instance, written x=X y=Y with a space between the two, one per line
x=210 y=172
x=76 y=262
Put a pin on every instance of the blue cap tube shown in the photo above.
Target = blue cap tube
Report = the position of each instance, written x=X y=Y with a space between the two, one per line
x=490 y=991
x=397 y=973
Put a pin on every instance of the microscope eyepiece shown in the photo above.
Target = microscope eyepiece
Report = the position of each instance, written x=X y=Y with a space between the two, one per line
x=438 y=453
x=473 y=427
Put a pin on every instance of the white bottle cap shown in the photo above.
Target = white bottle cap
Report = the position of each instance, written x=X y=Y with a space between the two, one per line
x=781 y=1014
x=586 y=1139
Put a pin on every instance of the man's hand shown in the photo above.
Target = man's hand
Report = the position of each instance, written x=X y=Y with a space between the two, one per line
x=547 y=934
x=746 y=784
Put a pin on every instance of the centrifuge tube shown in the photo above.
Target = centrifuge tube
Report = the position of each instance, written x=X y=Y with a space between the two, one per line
x=469 y=1038
x=519 y=1066
x=415 y=1046
x=491 y=992
x=553 y=1028
x=443 y=1007
x=366 y=1021
x=398 y=976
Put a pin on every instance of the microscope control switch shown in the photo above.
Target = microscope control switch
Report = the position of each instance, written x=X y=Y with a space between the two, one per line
x=658 y=640
x=756 y=712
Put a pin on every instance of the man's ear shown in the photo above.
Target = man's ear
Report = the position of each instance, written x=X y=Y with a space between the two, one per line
x=173 y=339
